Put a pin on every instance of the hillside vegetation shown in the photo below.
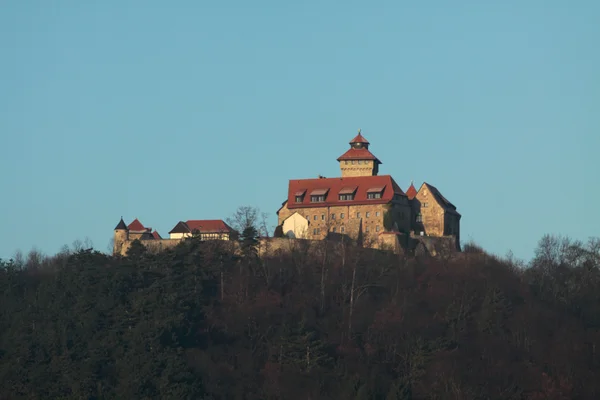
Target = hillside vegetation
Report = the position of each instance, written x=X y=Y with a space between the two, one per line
x=197 y=322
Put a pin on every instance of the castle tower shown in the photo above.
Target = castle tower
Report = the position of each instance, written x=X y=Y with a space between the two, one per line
x=359 y=161
x=121 y=236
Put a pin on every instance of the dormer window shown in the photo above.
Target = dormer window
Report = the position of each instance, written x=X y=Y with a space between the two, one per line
x=347 y=193
x=375 y=193
x=300 y=195
x=318 y=195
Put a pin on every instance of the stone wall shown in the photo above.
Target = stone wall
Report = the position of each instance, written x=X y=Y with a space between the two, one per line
x=353 y=168
x=434 y=246
x=353 y=220
x=154 y=246
x=432 y=213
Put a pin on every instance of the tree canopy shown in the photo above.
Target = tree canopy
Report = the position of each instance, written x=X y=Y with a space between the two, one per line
x=330 y=322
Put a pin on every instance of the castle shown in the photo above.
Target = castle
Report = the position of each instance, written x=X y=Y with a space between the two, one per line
x=125 y=235
x=362 y=205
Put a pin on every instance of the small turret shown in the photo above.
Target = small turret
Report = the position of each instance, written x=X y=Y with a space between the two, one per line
x=121 y=236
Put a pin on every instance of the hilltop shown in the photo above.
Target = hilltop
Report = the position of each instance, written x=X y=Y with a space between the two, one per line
x=198 y=321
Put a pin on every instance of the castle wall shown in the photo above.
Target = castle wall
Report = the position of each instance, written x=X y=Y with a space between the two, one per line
x=434 y=246
x=154 y=246
x=358 y=168
x=350 y=220
x=120 y=237
x=433 y=214
x=452 y=225
x=140 y=235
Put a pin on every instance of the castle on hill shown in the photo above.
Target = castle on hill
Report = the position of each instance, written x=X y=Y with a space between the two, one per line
x=363 y=205
x=360 y=205
x=125 y=235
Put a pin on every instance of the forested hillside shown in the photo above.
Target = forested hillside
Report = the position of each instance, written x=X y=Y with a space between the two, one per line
x=197 y=322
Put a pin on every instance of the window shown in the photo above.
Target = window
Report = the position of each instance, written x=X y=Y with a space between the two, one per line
x=322 y=217
x=377 y=213
x=347 y=193
x=342 y=215
x=315 y=217
x=419 y=218
x=360 y=161
x=318 y=195
x=357 y=215
x=308 y=217
x=375 y=193
x=352 y=162
x=316 y=231
x=346 y=162
x=333 y=229
x=377 y=228
x=367 y=229
x=342 y=229
x=368 y=214
x=332 y=216
x=425 y=204
x=300 y=195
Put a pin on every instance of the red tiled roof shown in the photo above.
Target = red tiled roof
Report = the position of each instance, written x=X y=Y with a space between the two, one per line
x=156 y=235
x=359 y=139
x=336 y=185
x=411 y=192
x=136 y=226
x=358 y=154
x=208 y=225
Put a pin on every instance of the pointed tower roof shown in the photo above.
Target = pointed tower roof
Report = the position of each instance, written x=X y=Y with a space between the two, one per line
x=156 y=235
x=121 y=225
x=411 y=192
x=359 y=150
x=136 y=225
x=359 y=139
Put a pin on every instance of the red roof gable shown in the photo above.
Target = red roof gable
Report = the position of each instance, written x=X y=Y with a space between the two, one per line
x=156 y=235
x=208 y=225
x=411 y=192
x=358 y=154
x=136 y=226
x=359 y=139
x=336 y=185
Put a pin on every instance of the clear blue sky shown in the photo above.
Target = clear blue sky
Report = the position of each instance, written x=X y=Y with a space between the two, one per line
x=169 y=111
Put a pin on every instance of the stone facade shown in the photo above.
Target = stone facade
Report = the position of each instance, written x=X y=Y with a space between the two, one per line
x=154 y=246
x=126 y=235
x=388 y=223
x=434 y=214
x=352 y=220
x=358 y=168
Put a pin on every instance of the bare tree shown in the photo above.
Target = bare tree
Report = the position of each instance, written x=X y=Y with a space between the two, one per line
x=244 y=217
